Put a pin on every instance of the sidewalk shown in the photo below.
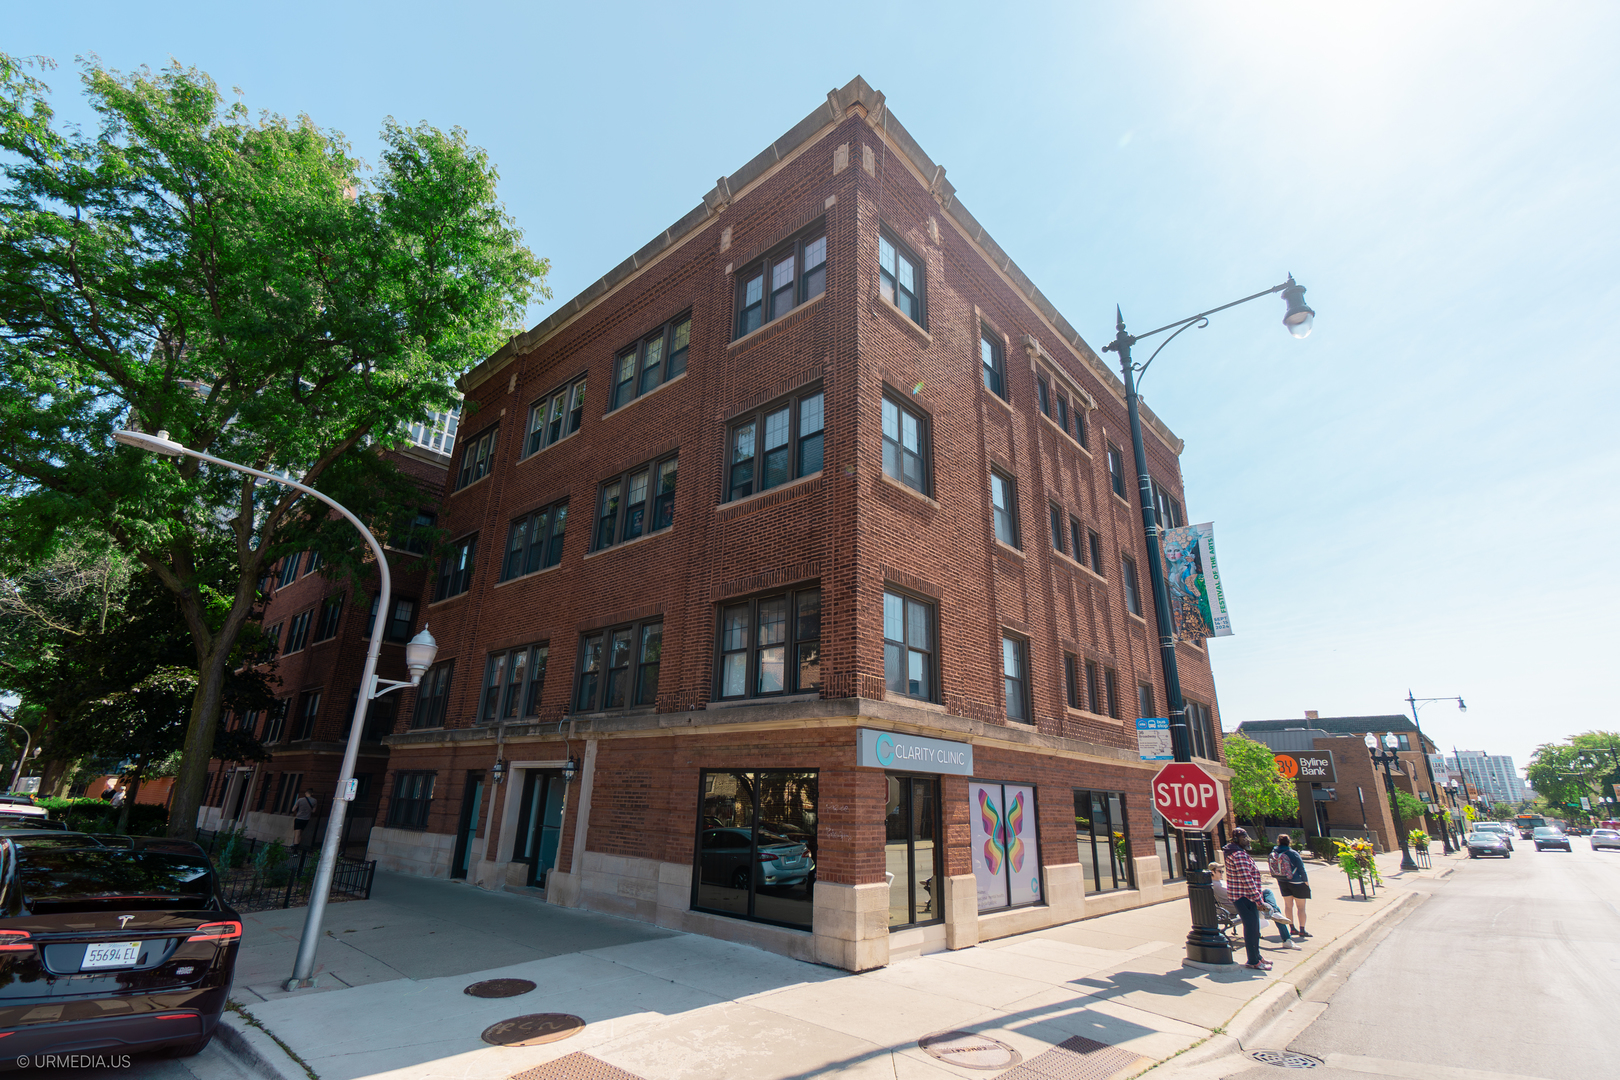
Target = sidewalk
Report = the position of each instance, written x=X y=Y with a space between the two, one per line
x=661 y=1005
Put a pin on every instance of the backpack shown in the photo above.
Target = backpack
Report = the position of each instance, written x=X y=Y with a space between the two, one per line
x=1281 y=868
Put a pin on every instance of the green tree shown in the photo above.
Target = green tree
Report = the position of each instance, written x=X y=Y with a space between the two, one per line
x=244 y=285
x=1258 y=789
x=1587 y=765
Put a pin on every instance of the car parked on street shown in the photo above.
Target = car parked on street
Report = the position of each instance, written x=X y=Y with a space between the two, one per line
x=110 y=943
x=1605 y=838
x=1550 y=838
x=1505 y=831
x=1487 y=842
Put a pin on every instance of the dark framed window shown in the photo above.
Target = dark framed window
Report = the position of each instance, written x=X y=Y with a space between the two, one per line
x=1043 y=395
x=1071 y=680
x=1111 y=691
x=433 y=696
x=555 y=416
x=1102 y=840
x=1166 y=507
x=794 y=273
x=651 y=362
x=755 y=855
x=905 y=435
x=618 y=668
x=1116 y=470
x=289 y=569
x=1075 y=545
x=1063 y=413
x=477 y=457
x=291 y=787
x=1094 y=689
x=264 y=792
x=400 y=620
x=990 y=359
x=331 y=616
x=535 y=541
x=456 y=568
x=908 y=646
x=275 y=722
x=1094 y=542
x=1201 y=731
x=1080 y=424
x=1055 y=513
x=309 y=709
x=413 y=796
x=514 y=679
x=272 y=637
x=912 y=851
x=636 y=502
x=1127 y=574
x=379 y=721
x=900 y=277
x=313 y=563
x=1172 y=848
x=417 y=538
x=1015 y=677
x=298 y=631
x=770 y=645
x=1144 y=700
x=1004 y=507
x=780 y=442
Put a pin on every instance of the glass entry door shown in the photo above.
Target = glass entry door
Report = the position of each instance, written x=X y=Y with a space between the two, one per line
x=539 y=831
x=911 y=853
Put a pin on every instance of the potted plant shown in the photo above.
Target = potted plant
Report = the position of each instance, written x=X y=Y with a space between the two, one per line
x=1356 y=860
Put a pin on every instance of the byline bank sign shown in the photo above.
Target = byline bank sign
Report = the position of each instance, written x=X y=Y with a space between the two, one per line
x=912 y=753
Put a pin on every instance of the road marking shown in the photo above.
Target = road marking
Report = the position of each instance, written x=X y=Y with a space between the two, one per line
x=1411 y=1070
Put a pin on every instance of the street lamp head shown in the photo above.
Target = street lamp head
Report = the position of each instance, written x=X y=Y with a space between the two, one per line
x=1390 y=740
x=1298 y=318
x=157 y=444
x=419 y=654
x=1461 y=705
x=1371 y=740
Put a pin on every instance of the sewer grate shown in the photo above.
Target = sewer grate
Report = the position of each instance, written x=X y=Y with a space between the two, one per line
x=1285 y=1059
x=499 y=988
x=1078 y=1058
x=576 y=1066
x=534 y=1029
x=969 y=1050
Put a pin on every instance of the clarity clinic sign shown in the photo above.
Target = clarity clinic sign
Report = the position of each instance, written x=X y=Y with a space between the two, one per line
x=912 y=753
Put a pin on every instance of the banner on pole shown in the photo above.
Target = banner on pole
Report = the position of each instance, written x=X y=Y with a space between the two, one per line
x=1197 y=602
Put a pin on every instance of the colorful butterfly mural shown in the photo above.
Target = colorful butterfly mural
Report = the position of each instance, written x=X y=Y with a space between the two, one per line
x=993 y=839
x=1014 y=844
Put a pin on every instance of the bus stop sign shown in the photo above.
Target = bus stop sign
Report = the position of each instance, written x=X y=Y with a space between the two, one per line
x=1188 y=797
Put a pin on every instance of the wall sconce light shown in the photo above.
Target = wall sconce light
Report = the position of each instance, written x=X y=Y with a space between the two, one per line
x=497 y=771
x=570 y=768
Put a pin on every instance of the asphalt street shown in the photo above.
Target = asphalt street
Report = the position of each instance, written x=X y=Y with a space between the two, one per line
x=1508 y=970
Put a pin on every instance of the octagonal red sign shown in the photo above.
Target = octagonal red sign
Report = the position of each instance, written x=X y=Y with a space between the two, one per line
x=1188 y=797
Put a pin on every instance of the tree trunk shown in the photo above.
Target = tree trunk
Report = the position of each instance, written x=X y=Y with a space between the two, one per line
x=193 y=775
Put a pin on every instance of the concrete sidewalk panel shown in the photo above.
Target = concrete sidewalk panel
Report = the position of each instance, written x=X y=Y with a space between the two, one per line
x=979 y=986
x=874 y=1011
x=723 y=968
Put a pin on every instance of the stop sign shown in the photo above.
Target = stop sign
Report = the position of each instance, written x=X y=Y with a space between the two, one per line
x=1188 y=797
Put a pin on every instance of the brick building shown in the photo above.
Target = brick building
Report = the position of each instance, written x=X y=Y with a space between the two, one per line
x=796 y=594
x=322 y=630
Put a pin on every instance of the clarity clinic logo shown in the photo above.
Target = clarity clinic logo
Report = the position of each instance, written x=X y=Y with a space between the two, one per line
x=885 y=748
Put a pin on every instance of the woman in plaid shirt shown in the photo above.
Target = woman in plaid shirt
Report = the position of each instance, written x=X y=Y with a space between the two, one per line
x=1244 y=884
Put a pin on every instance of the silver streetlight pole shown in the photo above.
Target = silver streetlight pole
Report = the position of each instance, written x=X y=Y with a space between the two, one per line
x=419 y=656
x=28 y=744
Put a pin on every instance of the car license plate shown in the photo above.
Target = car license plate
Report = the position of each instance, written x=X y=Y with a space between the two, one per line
x=111 y=954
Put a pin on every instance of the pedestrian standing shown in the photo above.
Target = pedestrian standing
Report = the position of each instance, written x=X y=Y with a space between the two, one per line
x=1243 y=882
x=117 y=796
x=1289 y=870
x=303 y=810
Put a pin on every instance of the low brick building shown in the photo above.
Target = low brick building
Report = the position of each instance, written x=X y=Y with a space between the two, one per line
x=797 y=596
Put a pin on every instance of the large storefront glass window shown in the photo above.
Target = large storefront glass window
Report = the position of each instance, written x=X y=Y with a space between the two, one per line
x=1099 y=831
x=911 y=851
x=1171 y=847
x=756 y=850
x=1006 y=850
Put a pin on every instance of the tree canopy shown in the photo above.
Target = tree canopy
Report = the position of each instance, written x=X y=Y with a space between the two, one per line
x=1587 y=765
x=1258 y=789
x=247 y=285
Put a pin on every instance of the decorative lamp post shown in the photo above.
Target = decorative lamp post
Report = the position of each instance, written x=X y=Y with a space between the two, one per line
x=1205 y=942
x=1416 y=703
x=419 y=656
x=1386 y=758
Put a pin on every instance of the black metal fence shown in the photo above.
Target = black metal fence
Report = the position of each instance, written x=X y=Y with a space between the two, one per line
x=262 y=875
x=1421 y=854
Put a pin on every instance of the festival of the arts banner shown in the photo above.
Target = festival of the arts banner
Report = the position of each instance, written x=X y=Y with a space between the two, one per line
x=1197 y=602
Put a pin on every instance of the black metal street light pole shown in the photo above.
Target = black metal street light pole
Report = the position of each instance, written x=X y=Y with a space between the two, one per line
x=1445 y=831
x=1386 y=758
x=1205 y=942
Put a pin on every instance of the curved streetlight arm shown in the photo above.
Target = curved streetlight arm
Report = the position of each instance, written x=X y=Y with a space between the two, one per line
x=1182 y=323
x=22 y=759
x=1416 y=703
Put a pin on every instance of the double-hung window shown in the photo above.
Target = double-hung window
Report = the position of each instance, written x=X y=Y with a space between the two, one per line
x=309 y=708
x=1094 y=689
x=400 y=620
x=433 y=696
x=275 y=722
x=1015 y=677
x=900 y=278
x=1095 y=543
x=791 y=275
x=535 y=541
x=1071 y=680
x=1111 y=691
x=995 y=372
x=418 y=536
x=770 y=645
x=456 y=568
x=908 y=646
x=1043 y=395
x=331 y=615
x=272 y=638
x=413 y=795
x=1201 y=731
x=652 y=361
x=289 y=569
x=1166 y=507
x=1127 y=573
x=1116 y=470
x=1144 y=700
x=477 y=457
x=904 y=432
x=1080 y=424
x=780 y=442
x=514 y=679
x=1075 y=546
x=1063 y=413
x=314 y=563
x=618 y=667
x=1004 y=508
x=298 y=632
x=1056 y=514
x=556 y=415
x=636 y=502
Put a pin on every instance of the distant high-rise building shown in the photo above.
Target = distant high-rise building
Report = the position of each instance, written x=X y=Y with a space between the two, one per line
x=1494 y=775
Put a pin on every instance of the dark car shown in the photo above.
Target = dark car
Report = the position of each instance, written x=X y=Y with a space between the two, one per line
x=9 y=822
x=1550 y=838
x=725 y=854
x=1489 y=843
x=110 y=943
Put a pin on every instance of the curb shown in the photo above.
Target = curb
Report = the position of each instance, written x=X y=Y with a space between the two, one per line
x=256 y=1050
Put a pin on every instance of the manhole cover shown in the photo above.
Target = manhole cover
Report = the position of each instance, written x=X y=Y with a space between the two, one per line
x=1285 y=1059
x=970 y=1051
x=532 y=1030
x=499 y=988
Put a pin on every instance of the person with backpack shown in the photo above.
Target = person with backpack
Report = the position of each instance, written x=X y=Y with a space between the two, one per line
x=1289 y=870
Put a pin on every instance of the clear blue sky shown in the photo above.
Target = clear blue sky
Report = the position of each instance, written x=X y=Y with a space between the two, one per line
x=1417 y=495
